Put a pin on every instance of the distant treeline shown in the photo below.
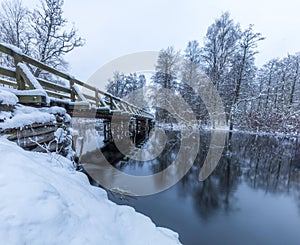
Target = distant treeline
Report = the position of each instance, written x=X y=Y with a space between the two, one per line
x=257 y=99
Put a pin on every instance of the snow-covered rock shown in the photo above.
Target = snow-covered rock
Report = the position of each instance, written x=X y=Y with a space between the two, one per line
x=45 y=201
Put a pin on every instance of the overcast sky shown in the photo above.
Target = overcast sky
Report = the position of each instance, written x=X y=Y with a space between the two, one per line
x=114 y=28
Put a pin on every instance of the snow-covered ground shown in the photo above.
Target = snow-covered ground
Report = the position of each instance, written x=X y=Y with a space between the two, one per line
x=45 y=201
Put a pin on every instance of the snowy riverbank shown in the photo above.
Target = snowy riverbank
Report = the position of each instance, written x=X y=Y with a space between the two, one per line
x=45 y=201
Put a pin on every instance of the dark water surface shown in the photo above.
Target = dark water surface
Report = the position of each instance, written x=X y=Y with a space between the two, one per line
x=253 y=196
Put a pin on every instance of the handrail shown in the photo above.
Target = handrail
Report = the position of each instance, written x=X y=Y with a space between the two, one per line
x=54 y=88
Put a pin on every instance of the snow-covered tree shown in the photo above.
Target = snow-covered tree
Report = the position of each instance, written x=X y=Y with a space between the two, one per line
x=166 y=73
x=191 y=79
x=218 y=55
x=167 y=67
x=219 y=49
x=243 y=73
x=122 y=85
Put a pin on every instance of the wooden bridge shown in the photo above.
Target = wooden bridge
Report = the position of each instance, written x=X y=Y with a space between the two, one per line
x=35 y=91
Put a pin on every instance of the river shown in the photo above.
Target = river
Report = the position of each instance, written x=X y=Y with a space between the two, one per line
x=252 y=197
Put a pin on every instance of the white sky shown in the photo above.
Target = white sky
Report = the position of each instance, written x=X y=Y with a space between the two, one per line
x=113 y=28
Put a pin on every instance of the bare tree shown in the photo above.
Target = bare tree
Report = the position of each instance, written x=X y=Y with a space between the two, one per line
x=42 y=33
x=51 y=38
x=14 y=27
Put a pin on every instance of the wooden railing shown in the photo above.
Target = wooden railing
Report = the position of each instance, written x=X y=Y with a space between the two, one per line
x=94 y=97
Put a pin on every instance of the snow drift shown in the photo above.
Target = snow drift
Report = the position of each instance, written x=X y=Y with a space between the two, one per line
x=45 y=201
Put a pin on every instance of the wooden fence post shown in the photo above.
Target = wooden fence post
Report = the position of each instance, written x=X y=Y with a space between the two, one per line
x=72 y=90
x=19 y=79
x=97 y=98
x=111 y=103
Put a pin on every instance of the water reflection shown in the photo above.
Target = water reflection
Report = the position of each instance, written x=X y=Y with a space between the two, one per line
x=262 y=162
x=252 y=197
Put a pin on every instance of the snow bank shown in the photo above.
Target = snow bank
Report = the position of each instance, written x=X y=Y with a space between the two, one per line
x=45 y=201
x=4 y=115
x=8 y=98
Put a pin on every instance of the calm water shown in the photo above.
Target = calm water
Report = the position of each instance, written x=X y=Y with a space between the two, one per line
x=253 y=197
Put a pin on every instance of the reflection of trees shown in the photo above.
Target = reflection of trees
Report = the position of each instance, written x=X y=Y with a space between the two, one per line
x=266 y=163
x=85 y=127
x=263 y=162
x=86 y=130
x=273 y=165
x=169 y=153
x=216 y=193
x=269 y=163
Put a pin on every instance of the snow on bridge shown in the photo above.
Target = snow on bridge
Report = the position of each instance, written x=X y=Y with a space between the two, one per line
x=35 y=91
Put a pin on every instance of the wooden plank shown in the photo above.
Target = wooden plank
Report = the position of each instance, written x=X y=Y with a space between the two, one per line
x=94 y=89
x=100 y=100
x=39 y=125
x=47 y=139
x=57 y=95
x=72 y=93
x=77 y=107
x=45 y=67
x=7 y=72
x=32 y=126
x=25 y=78
x=19 y=79
x=6 y=50
x=89 y=97
x=30 y=133
x=53 y=86
x=6 y=107
x=9 y=83
x=32 y=99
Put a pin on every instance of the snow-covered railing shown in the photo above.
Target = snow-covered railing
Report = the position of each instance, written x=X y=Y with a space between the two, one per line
x=22 y=78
